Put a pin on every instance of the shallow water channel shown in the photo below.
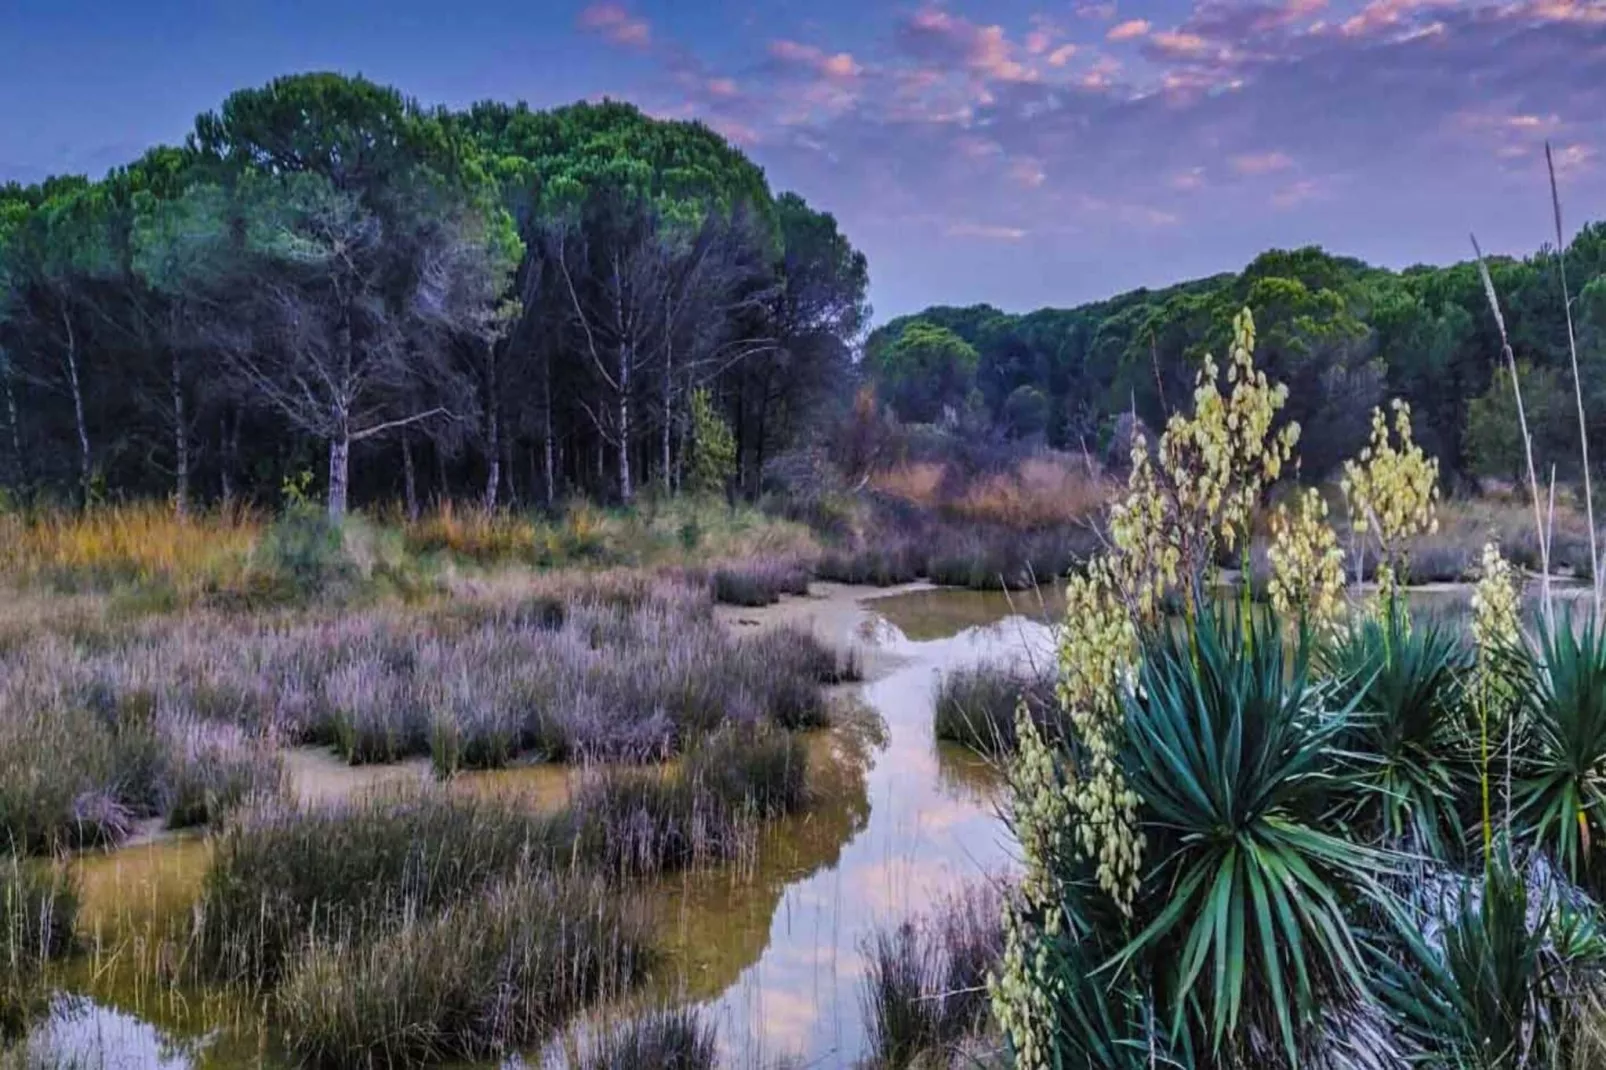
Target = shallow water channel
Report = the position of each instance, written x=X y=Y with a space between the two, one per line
x=769 y=947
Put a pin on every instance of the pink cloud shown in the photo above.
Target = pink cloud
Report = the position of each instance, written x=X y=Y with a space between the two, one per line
x=985 y=231
x=1061 y=55
x=1180 y=44
x=1262 y=163
x=986 y=52
x=1188 y=180
x=1028 y=172
x=1570 y=159
x=1129 y=30
x=616 y=24
x=840 y=66
x=1296 y=193
x=721 y=87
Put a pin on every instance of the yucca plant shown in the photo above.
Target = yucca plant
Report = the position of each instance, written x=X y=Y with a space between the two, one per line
x=1561 y=790
x=1230 y=748
x=1491 y=982
x=1408 y=745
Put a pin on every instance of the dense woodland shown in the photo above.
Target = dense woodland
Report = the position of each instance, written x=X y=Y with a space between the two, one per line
x=1343 y=335
x=514 y=306
x=327 y=278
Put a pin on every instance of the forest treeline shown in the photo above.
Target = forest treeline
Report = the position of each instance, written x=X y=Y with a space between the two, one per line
x=412 y=303
x=1342 y=334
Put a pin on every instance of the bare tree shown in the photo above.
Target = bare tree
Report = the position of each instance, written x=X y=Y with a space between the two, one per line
x=343 y=319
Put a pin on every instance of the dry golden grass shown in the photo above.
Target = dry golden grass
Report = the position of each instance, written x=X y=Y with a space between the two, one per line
x=918 y=483
x=473 y=532
x=138 y=543
x=1044 y=491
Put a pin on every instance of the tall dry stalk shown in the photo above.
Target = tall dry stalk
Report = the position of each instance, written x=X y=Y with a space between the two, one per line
x=1578 y=386
x=1522 y=421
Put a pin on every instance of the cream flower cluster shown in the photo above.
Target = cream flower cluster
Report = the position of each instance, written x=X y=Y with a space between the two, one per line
x=1307 y=565
x=1392 y=490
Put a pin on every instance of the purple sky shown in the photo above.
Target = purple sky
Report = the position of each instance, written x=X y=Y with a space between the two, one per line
x=1021 y=152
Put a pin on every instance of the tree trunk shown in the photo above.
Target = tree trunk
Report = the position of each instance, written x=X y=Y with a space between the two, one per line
x=11 y=417
x=441 y=484
x=493 y=468
x=626 y=490
x=226 y=457
x=409 y=477
x=669 y=411
x=546 y=427
x=85 y=465
x=339 y=473
x=493 y=434
x=181 y=442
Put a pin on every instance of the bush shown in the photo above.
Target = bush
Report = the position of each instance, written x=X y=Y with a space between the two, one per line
x=486 y=976
x=891 y=562
x=1412 y=763
x=302 y=557
x=976 y=707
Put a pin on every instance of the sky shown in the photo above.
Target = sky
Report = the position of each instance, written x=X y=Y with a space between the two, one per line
x=1017 y=152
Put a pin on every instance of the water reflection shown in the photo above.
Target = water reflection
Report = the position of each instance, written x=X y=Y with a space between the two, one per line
x=932 y=828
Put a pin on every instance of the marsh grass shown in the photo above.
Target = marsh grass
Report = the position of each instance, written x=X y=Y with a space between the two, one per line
x=283 y=877
x=677 y=1038
x=487 y=975
x=759 y=581
x=38 y=910
x=975 y=707
x=924 y=991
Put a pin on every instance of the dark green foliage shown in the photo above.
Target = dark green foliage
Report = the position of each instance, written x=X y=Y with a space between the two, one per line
x=670 y=1039
x=1244 y=926
x=126 y=303
x=1500 y=983
x=1341 y=334
x=302 y=558
x=1560 y=799
x=486 y=976
x=1408 y=738
x=976 y=707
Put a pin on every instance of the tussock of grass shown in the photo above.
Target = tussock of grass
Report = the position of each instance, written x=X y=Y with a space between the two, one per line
x=760 y=581
x=486 y=976
x=286 y=877
x=83 y=761
x=668 y=1039
x=976 y=706
x=924 y=992
x=643 y=824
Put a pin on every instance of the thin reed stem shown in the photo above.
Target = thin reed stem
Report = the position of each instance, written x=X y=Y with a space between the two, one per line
x=1578 y=385
x=1522 y=420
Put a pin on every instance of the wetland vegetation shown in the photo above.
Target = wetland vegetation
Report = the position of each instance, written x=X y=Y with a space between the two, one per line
x=424 y=640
